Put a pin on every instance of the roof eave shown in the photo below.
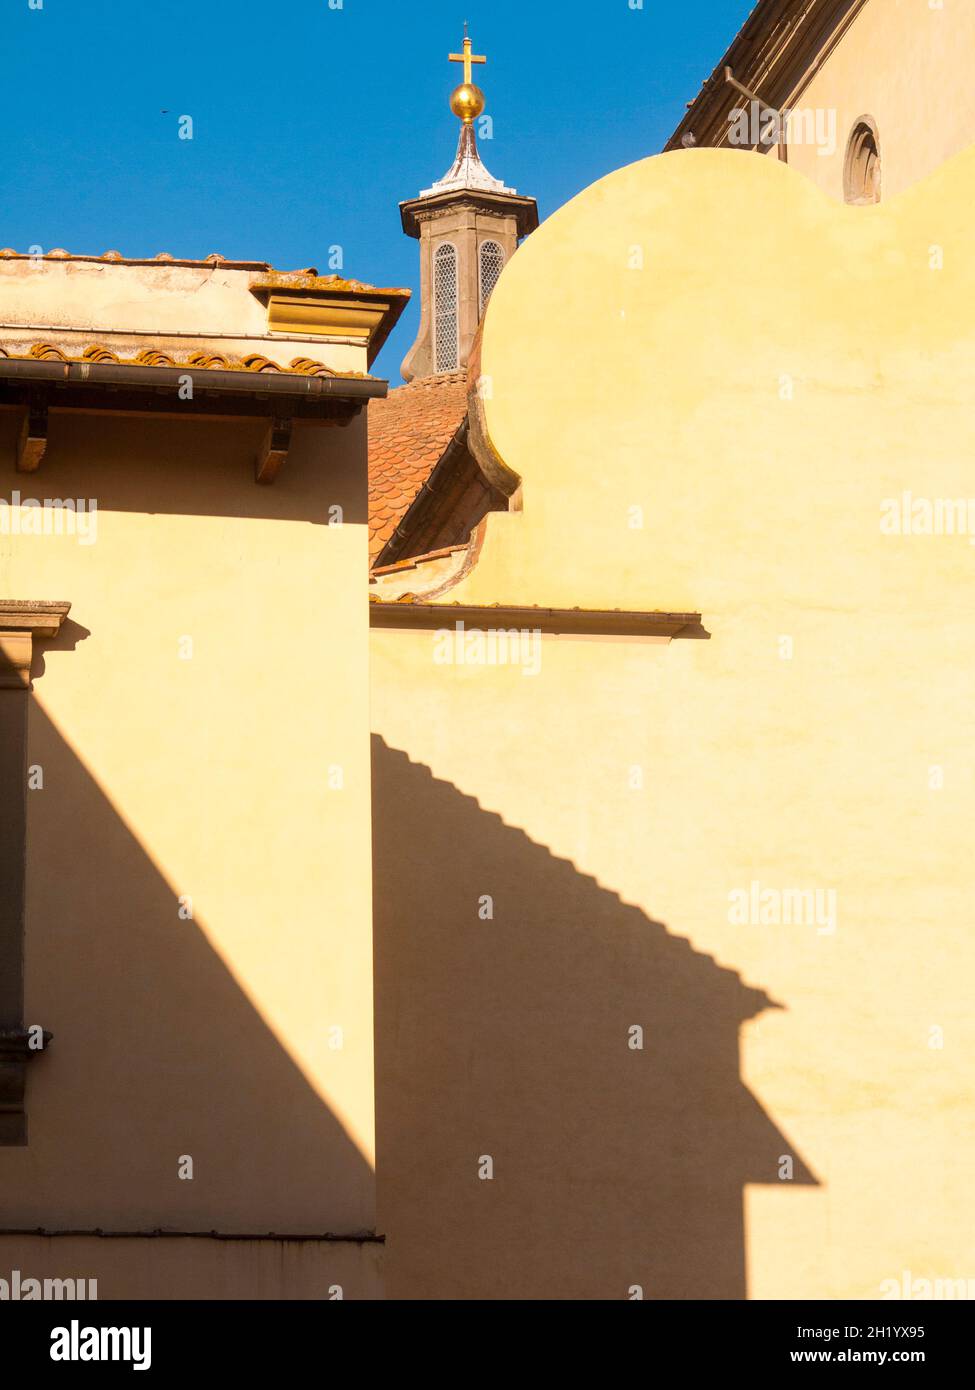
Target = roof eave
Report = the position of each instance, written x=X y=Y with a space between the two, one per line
x=216 y=381
x=391 y=301
x=524 y=209
x=388 y=322
x=407 y=613
x=772 y=55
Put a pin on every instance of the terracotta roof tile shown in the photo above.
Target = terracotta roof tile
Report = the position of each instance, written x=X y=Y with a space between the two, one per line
x=211 y=361
x=408 y=432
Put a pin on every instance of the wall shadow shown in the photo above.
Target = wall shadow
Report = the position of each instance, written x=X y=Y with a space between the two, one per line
x=157 y=1052
x=509 y=1038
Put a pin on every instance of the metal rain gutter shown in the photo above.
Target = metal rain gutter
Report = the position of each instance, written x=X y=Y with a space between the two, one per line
x=217 y=380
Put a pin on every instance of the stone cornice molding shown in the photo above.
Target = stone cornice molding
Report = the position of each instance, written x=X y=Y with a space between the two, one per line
x=416 y=211
x=21 y=620
x=42 y=617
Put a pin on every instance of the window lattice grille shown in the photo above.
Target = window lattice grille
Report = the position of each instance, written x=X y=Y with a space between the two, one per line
x=492 y=264
x=446 y=343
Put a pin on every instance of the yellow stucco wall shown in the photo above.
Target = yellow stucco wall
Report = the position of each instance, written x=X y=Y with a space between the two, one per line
x=210 y=777
x=906 y=64
x=778 y=367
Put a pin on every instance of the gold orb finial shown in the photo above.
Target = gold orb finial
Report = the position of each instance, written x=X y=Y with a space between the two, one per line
x=467 y=101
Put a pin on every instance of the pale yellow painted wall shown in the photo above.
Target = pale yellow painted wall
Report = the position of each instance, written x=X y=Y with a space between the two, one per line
x=908 y=65
x=778 y=368
x=206 y=777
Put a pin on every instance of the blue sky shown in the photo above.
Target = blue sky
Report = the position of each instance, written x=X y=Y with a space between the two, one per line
x=311 y=124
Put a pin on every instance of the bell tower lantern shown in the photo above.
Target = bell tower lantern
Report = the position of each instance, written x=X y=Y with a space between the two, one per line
x=468 y=226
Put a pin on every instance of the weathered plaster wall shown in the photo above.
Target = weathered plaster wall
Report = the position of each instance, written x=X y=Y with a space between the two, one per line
x=778 y=368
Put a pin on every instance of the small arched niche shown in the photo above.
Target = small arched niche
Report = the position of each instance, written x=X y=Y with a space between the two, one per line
x=861 y=174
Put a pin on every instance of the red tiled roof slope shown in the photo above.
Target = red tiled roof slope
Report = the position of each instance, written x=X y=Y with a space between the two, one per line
x=408 y=432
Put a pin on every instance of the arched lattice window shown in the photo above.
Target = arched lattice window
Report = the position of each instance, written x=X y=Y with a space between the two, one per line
x=861 y=176
x=491 y=264
x=445 y=330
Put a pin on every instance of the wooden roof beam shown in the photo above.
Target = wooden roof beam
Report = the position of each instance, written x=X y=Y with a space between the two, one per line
x=32 y=438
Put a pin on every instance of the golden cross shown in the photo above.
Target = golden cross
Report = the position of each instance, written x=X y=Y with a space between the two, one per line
x=467 y=57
